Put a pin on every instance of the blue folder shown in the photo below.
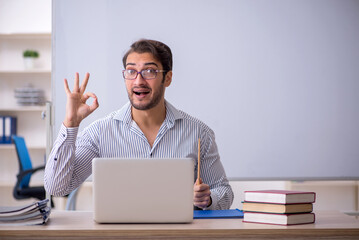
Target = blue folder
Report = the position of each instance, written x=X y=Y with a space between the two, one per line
x=230 y=213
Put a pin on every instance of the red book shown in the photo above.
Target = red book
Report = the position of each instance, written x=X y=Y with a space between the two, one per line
x=279 y=219
x=279 y=196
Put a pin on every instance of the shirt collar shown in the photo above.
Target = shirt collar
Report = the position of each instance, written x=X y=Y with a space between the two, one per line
x=172 y=114
x=124 y=114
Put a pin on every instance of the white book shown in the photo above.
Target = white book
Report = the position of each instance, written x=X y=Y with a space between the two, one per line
x=7 y=127
x=279 y=196
x=279 y=219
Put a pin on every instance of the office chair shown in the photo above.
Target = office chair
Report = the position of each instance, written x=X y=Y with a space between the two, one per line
x=22 y=190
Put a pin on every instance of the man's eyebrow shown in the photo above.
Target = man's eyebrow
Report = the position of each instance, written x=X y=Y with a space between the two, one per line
x=151 y=63
x=146 y=64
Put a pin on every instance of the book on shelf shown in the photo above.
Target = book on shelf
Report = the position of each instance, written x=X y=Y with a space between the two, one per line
x=277 y=208
x=31 y=214
x=7 y=129
x=279 y=219
x=279 y=196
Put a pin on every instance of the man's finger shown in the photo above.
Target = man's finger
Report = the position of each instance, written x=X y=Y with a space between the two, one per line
x=76 y=84
x=95 y=103
x=66 y=86
x=202 y=194
x=84 y=83
x=201 y=187
x=201 y=204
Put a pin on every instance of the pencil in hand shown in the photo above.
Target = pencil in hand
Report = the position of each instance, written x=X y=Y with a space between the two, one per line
x=198 y=181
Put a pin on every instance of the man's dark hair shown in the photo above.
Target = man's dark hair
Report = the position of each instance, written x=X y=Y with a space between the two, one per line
x=160 y=51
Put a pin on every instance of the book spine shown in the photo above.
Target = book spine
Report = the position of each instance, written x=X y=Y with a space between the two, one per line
x=280 y=224
x=2 y=130
x=9 y=128
x=279 y=202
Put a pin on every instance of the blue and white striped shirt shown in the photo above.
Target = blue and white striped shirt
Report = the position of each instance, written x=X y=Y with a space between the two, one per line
x=117 y=135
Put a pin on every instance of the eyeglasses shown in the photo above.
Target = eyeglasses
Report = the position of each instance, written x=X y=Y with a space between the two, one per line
x=130 y=74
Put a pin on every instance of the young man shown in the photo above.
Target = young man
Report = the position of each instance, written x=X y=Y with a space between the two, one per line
x=148 y=126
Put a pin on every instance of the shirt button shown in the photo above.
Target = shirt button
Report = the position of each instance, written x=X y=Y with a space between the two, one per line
x=63 y=135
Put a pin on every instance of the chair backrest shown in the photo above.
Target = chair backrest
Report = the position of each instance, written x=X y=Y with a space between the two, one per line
x=24 y=159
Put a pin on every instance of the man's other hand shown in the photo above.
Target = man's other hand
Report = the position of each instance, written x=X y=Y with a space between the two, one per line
x=201 y=195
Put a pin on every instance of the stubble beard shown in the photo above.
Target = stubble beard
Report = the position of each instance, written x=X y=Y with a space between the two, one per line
x=154 y=101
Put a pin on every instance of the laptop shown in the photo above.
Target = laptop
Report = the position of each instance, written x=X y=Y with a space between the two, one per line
x=143 y=190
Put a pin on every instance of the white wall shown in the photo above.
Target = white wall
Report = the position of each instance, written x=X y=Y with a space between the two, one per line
x=24 y=16
x=276 y=80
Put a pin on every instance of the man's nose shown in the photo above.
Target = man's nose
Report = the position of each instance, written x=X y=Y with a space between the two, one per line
x=139 y=79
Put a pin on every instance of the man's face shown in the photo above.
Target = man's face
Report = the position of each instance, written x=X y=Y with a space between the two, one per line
x=145 y=94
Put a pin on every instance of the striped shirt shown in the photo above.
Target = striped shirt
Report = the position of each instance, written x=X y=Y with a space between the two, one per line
x=117 y=135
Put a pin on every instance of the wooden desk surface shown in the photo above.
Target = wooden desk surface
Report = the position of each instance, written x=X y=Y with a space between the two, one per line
x=80 y=225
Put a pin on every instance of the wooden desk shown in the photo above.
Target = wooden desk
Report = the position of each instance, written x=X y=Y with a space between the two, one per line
x=79 y=225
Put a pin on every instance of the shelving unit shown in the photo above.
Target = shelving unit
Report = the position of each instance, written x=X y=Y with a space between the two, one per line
x=24 y=24
x=14 y=75
x=30 y=124
x=23 y=109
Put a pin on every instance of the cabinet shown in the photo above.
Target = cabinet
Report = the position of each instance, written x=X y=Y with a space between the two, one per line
x=30 y=124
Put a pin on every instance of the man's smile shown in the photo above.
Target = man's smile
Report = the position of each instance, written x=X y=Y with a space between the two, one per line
x=142 y=92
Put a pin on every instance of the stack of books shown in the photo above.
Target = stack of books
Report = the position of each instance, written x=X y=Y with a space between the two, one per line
x=279 y=207
x=32 y=214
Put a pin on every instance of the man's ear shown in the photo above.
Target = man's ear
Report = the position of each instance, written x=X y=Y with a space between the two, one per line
x=168 y=79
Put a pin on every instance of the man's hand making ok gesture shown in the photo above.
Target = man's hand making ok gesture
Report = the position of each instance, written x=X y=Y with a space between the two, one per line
x=76 y=107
